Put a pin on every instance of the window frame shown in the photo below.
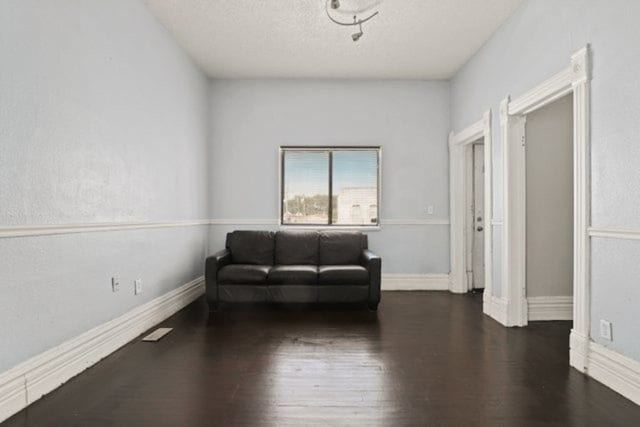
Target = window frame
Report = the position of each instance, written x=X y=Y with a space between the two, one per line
x=330 y=149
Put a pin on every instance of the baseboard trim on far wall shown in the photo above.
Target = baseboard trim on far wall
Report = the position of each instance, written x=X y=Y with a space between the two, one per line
x=32 y=379
x=415 y=282
x=550 y=308
x=607 y=366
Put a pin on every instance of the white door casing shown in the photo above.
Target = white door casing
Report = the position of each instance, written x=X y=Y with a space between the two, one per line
x=575 y=79
x=460 y=146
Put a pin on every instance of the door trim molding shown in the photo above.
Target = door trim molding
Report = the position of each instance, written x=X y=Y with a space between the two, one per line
x=575 y=79
x=459 y=143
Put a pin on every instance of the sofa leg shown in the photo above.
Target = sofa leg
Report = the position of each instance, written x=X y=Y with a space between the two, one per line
x=373 y=306
x=213 y=307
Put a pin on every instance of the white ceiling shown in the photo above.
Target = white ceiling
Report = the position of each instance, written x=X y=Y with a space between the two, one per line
x=409 y=39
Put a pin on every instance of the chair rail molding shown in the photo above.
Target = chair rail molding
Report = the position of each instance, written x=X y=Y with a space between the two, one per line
x=275 y=222
x=29 y=381
x=459 y=144
x=615 y=233
x=95 y=227
x=53 y=229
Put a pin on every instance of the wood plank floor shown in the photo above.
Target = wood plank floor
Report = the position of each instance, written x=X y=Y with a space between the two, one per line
x=426 y=358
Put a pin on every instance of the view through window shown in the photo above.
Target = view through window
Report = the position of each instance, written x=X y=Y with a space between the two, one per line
x=330 y=186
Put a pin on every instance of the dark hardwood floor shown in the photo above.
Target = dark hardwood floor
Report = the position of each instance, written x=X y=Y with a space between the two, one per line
x=426 y=358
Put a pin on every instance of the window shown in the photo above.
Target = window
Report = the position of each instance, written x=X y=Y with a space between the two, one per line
x=336 y=186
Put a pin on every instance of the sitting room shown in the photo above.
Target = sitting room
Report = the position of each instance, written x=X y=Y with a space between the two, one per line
x=321 y=212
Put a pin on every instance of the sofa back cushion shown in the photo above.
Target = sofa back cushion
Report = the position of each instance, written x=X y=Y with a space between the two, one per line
x=251 y=247
x=341 y=247
x=297 y=248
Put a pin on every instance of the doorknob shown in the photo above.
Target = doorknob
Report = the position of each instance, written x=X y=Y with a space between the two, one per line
x=480 y=228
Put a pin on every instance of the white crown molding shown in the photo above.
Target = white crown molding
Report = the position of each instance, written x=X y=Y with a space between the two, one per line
x=47 y=230
x=415 y=282
x=607 y=366
x=30 y=380
x=550 y=308
x=615 y=233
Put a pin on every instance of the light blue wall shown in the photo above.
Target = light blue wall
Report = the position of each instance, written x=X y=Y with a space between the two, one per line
x=535 y=43
x=409 y=119
x=103 y=119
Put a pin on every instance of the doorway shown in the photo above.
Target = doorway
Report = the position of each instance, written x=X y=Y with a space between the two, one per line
x=471 y=206
x=548 y=154
x=475 y=220
x=573 y=80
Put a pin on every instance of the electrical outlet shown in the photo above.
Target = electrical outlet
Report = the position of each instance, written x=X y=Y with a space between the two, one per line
x=430 y=209
x=605 y=330
x=115 y=284
x=137 y=286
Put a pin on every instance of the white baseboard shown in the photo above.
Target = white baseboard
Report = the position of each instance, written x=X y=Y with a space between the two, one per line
x=415 y=282
x=496 y=308
x=29 y=381
x=612 y=369
x=550 y=308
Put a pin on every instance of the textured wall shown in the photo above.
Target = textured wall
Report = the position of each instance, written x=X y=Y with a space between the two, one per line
x=535 y=43
x=410 y=120
x=103 y=120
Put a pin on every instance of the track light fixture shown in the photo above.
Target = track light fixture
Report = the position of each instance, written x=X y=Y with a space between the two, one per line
x=335 y=4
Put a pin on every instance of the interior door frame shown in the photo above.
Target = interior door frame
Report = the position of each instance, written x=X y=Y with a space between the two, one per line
x=460 y=145
x=575 y=79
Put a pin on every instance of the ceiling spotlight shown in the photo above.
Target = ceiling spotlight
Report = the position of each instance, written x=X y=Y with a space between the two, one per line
x=335 y=4
x=355 y=37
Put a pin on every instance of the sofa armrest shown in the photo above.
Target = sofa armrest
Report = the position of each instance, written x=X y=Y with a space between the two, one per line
x=373 y=264
x=213 y=264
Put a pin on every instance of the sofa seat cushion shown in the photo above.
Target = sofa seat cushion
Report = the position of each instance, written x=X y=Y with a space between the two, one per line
x=243 y=274
x=343 y=275
x=293 y=275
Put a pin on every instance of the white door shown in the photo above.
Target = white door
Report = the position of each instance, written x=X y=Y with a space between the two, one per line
x=478 y=217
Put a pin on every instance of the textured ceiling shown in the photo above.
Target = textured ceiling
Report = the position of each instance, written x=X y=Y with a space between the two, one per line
x=409 y=39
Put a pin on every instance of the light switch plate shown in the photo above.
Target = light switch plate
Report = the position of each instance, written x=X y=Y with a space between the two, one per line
x=605 y=330
x=137 y=286
x=115 y=284
x=430 y=209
